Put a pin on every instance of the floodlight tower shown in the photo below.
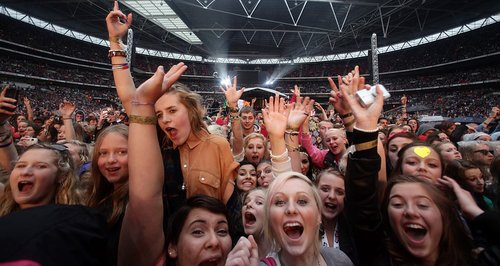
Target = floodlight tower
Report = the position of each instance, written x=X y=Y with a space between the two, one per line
x=374 y=59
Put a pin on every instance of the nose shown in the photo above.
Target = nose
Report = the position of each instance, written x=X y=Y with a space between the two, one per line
x=290 y=208
x=27 y=171
x=332 y=195
x=410 y=210
x=112 y=157
x=422 y=167
x=212 y=241
x=165 y=118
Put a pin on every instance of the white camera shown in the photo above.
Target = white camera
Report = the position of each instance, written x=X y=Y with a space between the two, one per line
x=31 y=141
x=367 y=97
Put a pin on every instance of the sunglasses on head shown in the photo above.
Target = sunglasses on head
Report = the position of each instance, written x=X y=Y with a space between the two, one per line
x=484 y=152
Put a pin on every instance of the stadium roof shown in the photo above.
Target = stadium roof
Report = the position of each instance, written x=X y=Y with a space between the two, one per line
x=256 y=29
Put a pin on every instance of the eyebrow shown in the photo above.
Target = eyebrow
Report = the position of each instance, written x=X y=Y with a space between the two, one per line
x=205 y=222
x=415 y=197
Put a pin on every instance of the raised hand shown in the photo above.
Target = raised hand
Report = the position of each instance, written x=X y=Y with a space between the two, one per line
x=276 y=116
x=464 y=198
x=296 y=91
x=244 y=253
x=366 y=117
x=232 y=94
x=26 y=101
x=66 y=108
x=336 y=97
x=153 y=88
x=299 y=112
x=117 y=23
x=6 y=104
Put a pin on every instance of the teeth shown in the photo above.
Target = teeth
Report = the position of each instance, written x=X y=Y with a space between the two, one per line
x=414 y=226
x=292 y=224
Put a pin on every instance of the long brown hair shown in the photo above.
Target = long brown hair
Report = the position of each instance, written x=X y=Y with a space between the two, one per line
x=192 y=102
x=102 y=193
x=455 y=246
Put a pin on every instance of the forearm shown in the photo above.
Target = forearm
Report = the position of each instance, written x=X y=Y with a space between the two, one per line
x=69 y=129
x=8 y=152
x=29 y=112
x=237 y=132
x=143 y=222
x=123 y=79
x=293 y=146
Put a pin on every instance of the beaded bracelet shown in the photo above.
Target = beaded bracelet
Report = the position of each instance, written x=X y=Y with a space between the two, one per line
x=143 y=120
x=345 y=115
x=292 y=149
x=113 y=53
x=280 y=157
x=292 y=132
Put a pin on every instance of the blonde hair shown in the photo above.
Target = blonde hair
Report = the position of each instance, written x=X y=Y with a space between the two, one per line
x=256 y=135
x=278 y=182
x=102 y=192
x=65 y=192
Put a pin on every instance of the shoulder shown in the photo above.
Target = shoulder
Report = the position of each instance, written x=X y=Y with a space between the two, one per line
x=335 y=257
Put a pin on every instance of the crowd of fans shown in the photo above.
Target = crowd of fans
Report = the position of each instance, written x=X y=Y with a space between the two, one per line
x=155 y=172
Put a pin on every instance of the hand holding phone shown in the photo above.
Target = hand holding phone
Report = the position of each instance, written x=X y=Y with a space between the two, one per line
x=9 y=99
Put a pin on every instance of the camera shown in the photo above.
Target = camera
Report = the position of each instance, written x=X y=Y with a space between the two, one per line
x=367 y=97
x=31 y=141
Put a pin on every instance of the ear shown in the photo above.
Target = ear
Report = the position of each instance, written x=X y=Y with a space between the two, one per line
x=172 y=251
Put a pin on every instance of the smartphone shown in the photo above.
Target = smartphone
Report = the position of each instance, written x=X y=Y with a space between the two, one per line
x=14 y=94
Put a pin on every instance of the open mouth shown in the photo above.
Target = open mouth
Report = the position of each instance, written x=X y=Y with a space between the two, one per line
x=331 y=206
x=112 y=170
x=415 y=232
x=24 y=186
x=293 y=230
x=250 y=219
x=210 y=262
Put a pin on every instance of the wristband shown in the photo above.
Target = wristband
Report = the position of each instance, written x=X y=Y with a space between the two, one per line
x=143 y=120
x=113 y=53
x=366 y=145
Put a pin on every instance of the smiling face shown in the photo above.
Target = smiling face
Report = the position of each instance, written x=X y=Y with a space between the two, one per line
x=255 y=150
x=204 y=239
x=393 y=148
x=294 y=217
x=336 y=141
x=34 y=178
x=113 y=158
x=253 y=212
x=422 y=162
x=173 y=118
x=264 y=174
x=332 y=193
x=474 y=178
x=416 y=220
x=247 y=177
x=247 y=121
